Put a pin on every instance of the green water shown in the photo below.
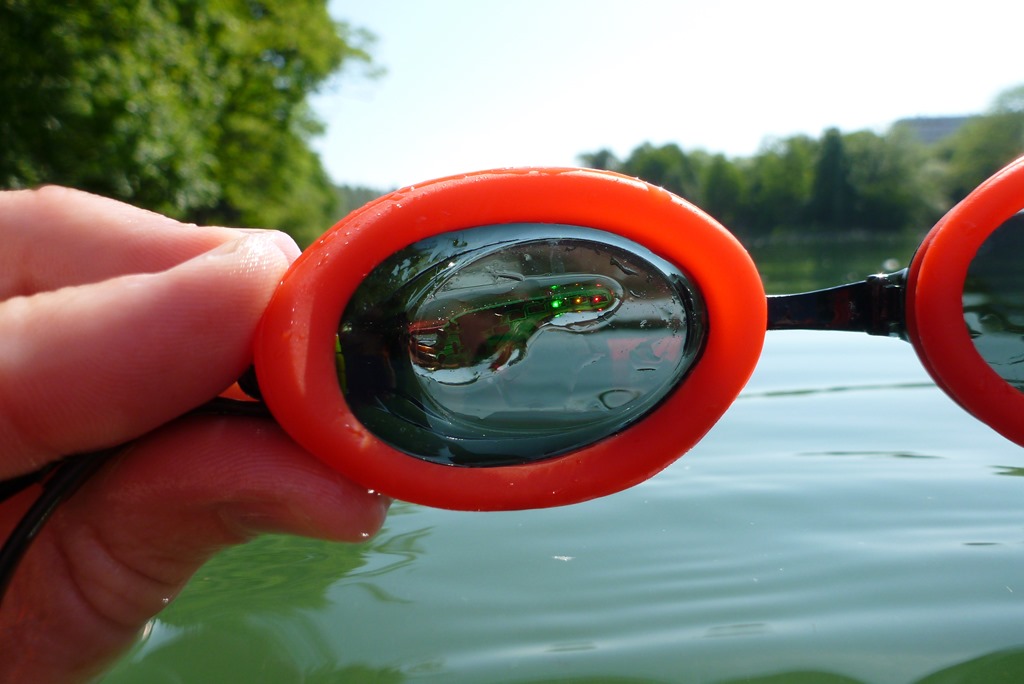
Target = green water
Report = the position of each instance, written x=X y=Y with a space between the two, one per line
x=845 y=522
x=798 y=263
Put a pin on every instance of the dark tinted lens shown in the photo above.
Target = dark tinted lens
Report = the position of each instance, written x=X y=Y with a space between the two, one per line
x=994 y=301
x=510 y=344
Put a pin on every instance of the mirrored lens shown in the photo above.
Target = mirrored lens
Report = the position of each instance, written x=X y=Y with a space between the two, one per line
x=994 y=301
x=509 y=344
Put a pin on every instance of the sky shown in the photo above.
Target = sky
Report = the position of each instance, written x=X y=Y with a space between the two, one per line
x=476 y=84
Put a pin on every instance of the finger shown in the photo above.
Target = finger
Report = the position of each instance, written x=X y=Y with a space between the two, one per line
x=96 y=365
x=125 y=544
x=56 y=237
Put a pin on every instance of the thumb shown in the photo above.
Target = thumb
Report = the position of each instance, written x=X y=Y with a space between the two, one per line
x=119 y=550
x=99 y=364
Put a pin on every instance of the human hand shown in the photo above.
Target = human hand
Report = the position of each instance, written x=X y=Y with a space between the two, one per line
x=114 y=323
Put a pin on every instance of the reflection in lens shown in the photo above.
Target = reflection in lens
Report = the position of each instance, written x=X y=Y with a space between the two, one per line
x=994 y=301
x=466 y=327
x=510 y=344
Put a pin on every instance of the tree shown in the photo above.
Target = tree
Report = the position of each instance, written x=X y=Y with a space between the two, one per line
x=351 y=198
x=667 y=166
x=195 y=109
x=723 y=192
x=891 y=186
x=861 y=181
x=1010 y=101
x=832 y=200
x=602 y=159
x=985 y=144
x=779 y=179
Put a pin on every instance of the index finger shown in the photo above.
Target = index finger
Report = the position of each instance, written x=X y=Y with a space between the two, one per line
x=56 y=237
x=96 y=365
x=128 y=320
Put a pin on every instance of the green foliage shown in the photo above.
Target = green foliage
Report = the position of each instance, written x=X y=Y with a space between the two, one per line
x=1009 y=101
x=779 y=180
x=667 y=166
x=198 y=109
x=859 y=181
x=723 y=189
x=602 y=159
x=192 y=108
x=832 y=194
x=893 y=185
x=351 y=198
x=985 y=144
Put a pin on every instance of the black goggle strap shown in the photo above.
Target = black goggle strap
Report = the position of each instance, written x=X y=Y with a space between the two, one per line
x=60 y=480
x=875 y=306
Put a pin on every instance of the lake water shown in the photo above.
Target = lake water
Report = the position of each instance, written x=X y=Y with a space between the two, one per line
x=844 y=522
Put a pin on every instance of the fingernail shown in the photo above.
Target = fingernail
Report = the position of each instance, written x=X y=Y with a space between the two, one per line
x=249 y=254
x=229 y=247
x=284 y=241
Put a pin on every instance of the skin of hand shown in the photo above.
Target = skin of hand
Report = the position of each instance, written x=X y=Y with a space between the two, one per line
x=114 y=323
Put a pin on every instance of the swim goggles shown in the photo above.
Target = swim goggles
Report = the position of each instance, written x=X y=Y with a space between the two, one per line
x=527 y=338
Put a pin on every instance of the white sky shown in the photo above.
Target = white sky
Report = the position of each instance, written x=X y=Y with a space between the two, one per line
x=474 y=84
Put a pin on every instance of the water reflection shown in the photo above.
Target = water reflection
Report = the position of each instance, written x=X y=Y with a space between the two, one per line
x=796 y=677
x=804 y=263
x=272 y=574
x=993 y=301
x=594 y=679
x=501 y=345
x=1011 y=471
x=805 y=391
x=252 y=613
x=871 y=454
x=493 y=324
x=391 y=554
x=265 y=650
x=741 y=629
x=816 y=514
x=998 y=667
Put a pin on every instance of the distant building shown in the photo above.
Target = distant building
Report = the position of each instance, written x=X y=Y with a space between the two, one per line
x=933 y=129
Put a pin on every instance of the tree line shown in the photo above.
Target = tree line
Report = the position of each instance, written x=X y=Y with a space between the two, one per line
x=860 y=181
x=199 y=109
